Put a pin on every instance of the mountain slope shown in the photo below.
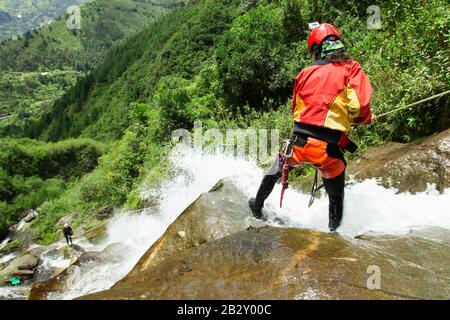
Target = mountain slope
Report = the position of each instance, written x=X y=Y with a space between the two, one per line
x=255 y=61
x=179 y=44
x=231 y=64
x=39 y=67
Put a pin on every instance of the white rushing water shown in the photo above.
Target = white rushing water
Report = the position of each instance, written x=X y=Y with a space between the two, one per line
x=13 y=293
x=192 y=177
x=8 y=257
x=368 y=208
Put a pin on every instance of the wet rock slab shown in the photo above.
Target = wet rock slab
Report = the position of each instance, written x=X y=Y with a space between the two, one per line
x=22 y=267
x=218 y=213
x=279 y=263
x=215 y=250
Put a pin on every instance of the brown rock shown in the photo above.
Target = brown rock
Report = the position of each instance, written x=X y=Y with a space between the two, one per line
x=214 y=215
x=25 y=262
x=30 y=216
x=408 y=167
x=69 y=252
x=96 y=234
x=222 y=254
x=41 y=290
x=87 y=257
x=23 y=274
x=104 y=212
x=279 y=263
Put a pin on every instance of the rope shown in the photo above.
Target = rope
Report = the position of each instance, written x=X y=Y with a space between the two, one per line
x=412 y=104
x=6 y=117
x=314 y=189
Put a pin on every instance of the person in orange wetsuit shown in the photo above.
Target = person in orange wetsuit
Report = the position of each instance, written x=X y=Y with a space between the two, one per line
x=329 y=96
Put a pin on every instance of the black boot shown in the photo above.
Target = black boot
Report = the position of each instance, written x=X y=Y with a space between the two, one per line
x=335 y=213
x=256 y=211
x=335 y=190
x=334 y=223
x=265 y=189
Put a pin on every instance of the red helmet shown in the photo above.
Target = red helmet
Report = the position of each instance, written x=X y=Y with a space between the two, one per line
x=319 y=33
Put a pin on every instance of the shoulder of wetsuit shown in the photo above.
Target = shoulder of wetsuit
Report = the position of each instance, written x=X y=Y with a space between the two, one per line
x=320 y=62
x=311 y=67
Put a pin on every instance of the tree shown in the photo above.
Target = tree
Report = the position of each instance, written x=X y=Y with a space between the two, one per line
x=293 y=22
x=250 y=58
x=172 y=98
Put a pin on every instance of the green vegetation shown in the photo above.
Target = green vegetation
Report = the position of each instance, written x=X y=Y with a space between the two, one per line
x=27 y=94
x=136 y=159
x=178 y=44
x=231 y=64
x=103 y=24
x=32 y=172
x=257 y=50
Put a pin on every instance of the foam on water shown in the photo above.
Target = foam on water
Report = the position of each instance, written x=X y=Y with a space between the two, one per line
x=369 y=207
x=13 y=292
x=8 y=257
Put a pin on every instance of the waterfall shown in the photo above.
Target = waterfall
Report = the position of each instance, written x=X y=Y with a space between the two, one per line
x=369 y=208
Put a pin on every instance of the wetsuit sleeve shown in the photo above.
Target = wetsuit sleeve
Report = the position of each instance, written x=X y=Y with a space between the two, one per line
x=294 y=97
x=297 y=102
x=359 y=94
x=298 y=83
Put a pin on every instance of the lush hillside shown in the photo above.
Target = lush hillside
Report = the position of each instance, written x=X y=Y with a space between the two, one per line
x=41 y=65
x=19 y=16
x=230 y=64
x=33 y=172
x=24 y=94
x=179 y=44
x=257 y=59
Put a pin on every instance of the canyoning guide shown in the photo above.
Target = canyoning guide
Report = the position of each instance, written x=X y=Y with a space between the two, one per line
x=329 y=96
x=68 y=233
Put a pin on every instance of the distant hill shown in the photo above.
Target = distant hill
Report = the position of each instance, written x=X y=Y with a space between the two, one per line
x=39 y=66
x=103 y=23
x=26 y=15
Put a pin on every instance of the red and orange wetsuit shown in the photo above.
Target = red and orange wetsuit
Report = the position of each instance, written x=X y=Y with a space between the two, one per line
x=328 y=99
